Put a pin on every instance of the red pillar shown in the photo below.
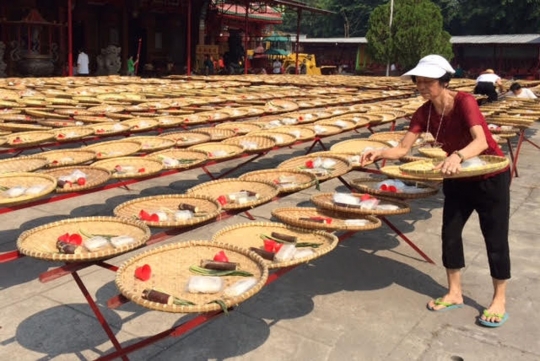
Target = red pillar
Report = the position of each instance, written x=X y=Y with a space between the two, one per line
x=189 y=38
x=70 y=40
x=298 y=20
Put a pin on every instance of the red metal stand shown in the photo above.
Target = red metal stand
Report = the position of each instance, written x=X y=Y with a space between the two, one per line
x=522 y=138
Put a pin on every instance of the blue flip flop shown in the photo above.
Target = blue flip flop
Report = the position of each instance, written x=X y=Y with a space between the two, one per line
x=447 y=306
x=493 y=324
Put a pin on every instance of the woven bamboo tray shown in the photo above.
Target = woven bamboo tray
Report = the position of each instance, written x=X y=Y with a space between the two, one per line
x=95 y=177
x=18 y=118
x=252 y=143
x=71 y=133
x=219 y=151
x=325 y=201
x=67 y=157
x=425 y=168
x=280 y=105
x=241 y=128
x=301 y=133
x=170 y=264
x=27 y=139
x=119 y=116
x=217 y=134
x=300 y=179
x=114 y=148
x=2 y=141
x=184 y=158
x=154 y=143
x=222 y=188
x=43 y=114
x=40 y=242
x=139 y=167
x=368 y=185
x=89 y=119
x=310 y=217
x=208 y=209
x=22 y=127
x=360 y=119
x=73 y=111
x=141 y=124
x=382 y=117
x=25 y=180
x=324 y=130
x=341 y=167
x=186 y=139
x=433 y=152
x=168 y=121
x=232 y=113
x=106 y=109
x=282 y=139
x=58 y=123
x=248 y=235
x=22 y=164
x=109 y=128
x=343 y=123
x=393 y=138
x=412 y=158
x=520 y=122
x=393 y=171
x=356 y=146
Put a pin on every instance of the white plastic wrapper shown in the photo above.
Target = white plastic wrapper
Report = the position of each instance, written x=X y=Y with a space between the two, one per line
x=393 y=143
x=319 y=129
x=76 y=174
x=248 y=145
x=117 y=126
x=308 y=116
x=289 y=121
x=204 y=284
x=218 y=153
x=302 y=253
x=247 y=199
x=183 y=215
x=356 y=222
x=169 y=162
x=66 y=160
x=285 y=253
x=14 y=192
x=95 y=243
x=341 y=123
x=122 y=241
x=400 y=186
x=279 y=139
x=370 y=204
x=387 y=207
x=286 y=179
x=328 y=163
x=296 y=133
x=473 y=163
x=274 y=123
x=354 y=159
x=36 y=189
x=161 y=215
x=125 y=169
x=239 y=287
x=237 y=195
x=345 y=198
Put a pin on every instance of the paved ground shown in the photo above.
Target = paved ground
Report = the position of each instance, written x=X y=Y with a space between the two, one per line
x=364 y=301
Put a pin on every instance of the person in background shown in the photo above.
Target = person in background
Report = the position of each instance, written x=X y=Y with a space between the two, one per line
x=454 y=120
x=276 y=66
x=487 y=83
x=303 y=67
x=208 y=65
x=131 y=64
x=517 y=91
x=460 y=73
x=83 y=64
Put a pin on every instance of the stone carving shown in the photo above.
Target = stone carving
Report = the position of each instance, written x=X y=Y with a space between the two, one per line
x=30 y=62
x=3 y=65
x=109 y=62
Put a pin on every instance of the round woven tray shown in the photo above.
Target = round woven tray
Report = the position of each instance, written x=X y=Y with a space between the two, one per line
x=393 y=171
x=186 y=158
x=219 y=151
x=252 y=143
x=115 y=148
x=325 y=201
x=297 y=181
x=40 y=242
x=105 y=109
x=89 y=119
x=154 y=143
x=67 y=157
x=310 y=217
x=59 y=123
x=217 y=134
x=341 y=167
x=43 y=114
x=109 y=128
x=22 y=164
x=208 y=209
x=141 y=124
x=26 y=180
x=381 y=117
x=343 y=123
x=282 y=139
x=391 y=138
x=170 y=264
x=425 y=168
x=95 y=177
x=280 y=105
x=223 y=187
x=16 y=118
x=368 y=185
x=520 y=122
x=299 y=132
x=433 y=152
x=169 y=121
x=73 y=111
x=356 y=146
x=241 y=128
x=22 y=127
x=186 y=139
x=140 y=167
x=248 y=235
x=71 y=133
x=27 y=139
x=324 y=130
x=411 y=158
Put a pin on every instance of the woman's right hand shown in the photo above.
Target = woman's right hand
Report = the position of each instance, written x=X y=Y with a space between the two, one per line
x=370 y=156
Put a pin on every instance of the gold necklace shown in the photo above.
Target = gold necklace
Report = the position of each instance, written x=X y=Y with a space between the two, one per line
x=434 y=143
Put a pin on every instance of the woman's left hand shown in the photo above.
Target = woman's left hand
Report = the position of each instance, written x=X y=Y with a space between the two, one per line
x=451 y=165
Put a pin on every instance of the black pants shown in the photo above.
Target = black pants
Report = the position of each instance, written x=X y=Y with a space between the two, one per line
x=490 y=198
x=486 y=88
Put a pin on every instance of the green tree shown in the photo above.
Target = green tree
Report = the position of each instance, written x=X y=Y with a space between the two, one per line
x=417 y=30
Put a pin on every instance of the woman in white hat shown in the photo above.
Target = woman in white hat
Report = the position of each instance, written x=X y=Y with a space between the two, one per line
x=457 y=125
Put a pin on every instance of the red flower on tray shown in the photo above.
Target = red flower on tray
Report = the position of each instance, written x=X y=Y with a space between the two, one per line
x=309 y=164
x=388 y=188
x=143 y=272
x=221 y=257
x=271 y=246
x=145 y=216
x=73 y=238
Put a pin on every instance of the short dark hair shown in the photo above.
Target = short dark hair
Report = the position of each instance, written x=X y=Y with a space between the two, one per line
x=514 y=87
x=443 y=80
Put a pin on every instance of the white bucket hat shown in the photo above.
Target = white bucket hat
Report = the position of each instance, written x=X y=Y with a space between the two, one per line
x=430 y=66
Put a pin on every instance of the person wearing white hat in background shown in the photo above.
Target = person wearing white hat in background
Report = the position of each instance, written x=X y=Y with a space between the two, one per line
x=454 y=120
x=487 y=83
